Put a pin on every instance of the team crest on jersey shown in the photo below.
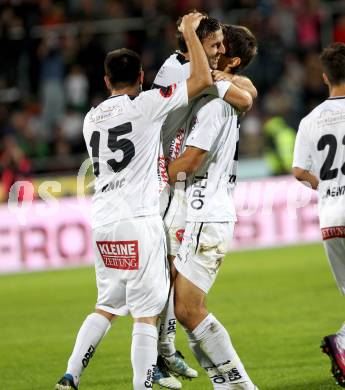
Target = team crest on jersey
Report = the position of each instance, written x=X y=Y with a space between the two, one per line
x=179 y=234
x=167 y=91
x=119 y=254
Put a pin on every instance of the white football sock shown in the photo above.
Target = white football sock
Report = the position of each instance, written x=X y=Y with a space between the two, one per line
x=341 y=331
x=143 y=354
x=214 y=341
x=167 y=330
x=219 y=382
x=90 y=334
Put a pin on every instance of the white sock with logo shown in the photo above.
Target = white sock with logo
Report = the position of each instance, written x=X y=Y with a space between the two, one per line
x=167 y=330
x=143 y=354
x=89 y=336
x=219 y=381
x=215 y=342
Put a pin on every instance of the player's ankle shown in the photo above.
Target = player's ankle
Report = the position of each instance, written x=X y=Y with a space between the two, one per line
x=167 y=350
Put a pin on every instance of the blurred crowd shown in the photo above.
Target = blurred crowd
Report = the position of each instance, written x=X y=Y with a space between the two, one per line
x=51 y=67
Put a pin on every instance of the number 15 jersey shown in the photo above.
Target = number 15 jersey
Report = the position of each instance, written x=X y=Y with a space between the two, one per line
x=122 y=136
x=320 y=148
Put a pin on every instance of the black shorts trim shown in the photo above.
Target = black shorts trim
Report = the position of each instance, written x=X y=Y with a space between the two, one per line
x=198 y=237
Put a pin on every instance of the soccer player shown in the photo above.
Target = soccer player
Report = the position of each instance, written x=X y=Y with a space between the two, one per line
x=210 y=162
x=177 y=67
x=319 y=160
x=122 y=136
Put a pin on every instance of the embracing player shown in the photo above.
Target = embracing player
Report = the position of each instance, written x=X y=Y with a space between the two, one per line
x=209 y=161
x=319 y=160
x=177 y=67
x=122 y=136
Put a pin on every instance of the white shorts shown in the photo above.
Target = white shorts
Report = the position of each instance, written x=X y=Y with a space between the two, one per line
x=335 y=249
x=174 y=219
x=131 y=268
x=202 y=251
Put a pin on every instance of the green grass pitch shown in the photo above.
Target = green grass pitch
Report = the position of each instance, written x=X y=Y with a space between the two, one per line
x=276 y=303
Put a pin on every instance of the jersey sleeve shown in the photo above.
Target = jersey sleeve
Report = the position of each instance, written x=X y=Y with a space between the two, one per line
x=169 y=74
x=205 y=126
x=302 y=155
x=157 y=103
x=218 y=89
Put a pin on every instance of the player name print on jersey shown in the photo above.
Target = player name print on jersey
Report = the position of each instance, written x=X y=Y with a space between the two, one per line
x=119 y=254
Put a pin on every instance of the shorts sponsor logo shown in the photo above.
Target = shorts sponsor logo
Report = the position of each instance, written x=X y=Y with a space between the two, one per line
x=88 y=355
x=333 y=232
x=179 y=234
x=119 y=254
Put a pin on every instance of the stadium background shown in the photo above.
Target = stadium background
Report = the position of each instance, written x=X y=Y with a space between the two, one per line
x=51 y=72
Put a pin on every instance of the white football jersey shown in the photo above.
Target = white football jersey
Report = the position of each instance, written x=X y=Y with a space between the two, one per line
x=174 y=70
x=320 y=148
x=122 y=136
x=213 y=126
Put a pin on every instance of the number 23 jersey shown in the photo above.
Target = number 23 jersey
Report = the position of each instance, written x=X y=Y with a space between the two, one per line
x=320 y=148
x=122 y=136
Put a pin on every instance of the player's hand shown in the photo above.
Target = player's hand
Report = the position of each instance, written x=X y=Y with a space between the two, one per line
x=220 y=76
x=190 y=21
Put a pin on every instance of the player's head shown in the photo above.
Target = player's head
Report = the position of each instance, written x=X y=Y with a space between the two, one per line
x=122 y=69
x=210 y=34
x=240 y=48
x=333 y=63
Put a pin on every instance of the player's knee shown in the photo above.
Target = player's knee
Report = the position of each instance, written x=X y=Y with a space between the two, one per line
x=181 y=313
x=188 y=314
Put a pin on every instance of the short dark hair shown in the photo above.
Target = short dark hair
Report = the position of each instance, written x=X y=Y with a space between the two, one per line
x=122 y=66
x=333 y=62
x=206 y=27
x=240 y=42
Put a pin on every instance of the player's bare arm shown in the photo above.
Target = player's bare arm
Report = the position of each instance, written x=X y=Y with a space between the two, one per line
x=305 y=176
x=200 y=77
x=189 y=162
x=241 y=92
x=245 y=83
x=239 y=98
x=241 y=82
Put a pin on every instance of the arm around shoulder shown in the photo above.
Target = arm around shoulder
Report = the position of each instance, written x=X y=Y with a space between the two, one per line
x=188 y=163
x=239 y=98
x=200 y=77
